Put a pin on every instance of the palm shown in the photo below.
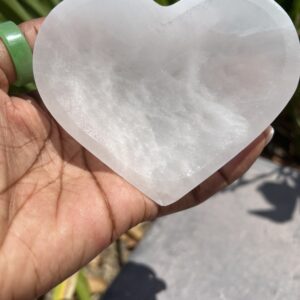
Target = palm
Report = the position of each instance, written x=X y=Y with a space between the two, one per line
x=59 y=205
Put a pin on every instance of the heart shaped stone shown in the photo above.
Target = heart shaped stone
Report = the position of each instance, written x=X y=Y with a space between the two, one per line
x=165 y=96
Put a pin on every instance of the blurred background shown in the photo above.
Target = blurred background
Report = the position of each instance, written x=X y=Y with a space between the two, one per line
x=92 y=282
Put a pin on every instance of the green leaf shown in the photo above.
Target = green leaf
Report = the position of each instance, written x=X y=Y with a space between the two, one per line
x=166 y=2
x=296 y=14
x=54 y=2
x=40 y=8
x=14 y=11
x=66 y=290
x=2 y=18
x=163 y=2
x=82 y=288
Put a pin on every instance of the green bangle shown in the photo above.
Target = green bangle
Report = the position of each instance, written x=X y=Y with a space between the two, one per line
x=19 y=51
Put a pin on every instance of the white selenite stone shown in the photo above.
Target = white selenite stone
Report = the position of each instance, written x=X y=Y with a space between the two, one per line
x=165 y=96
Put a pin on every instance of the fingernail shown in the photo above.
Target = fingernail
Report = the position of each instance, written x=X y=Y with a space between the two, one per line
x=269 y=135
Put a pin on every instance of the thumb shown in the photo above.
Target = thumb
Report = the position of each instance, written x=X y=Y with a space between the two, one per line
x=7 y=70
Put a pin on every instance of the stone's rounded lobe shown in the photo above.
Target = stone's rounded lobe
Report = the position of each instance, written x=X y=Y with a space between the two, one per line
x=166 y=95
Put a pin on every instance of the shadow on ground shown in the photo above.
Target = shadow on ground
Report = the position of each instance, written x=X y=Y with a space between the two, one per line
x=136 y=282
x=281 y=190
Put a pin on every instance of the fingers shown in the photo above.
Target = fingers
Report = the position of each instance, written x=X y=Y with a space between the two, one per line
x=7 y=70
x=223 y=177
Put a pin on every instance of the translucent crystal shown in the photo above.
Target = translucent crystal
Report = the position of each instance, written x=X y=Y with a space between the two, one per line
x=166 y=95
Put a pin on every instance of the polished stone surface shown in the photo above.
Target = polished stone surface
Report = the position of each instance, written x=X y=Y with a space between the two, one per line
x=243 y=244
x=166 y=95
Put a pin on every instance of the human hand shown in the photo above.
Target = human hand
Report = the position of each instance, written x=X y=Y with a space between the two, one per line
x=59 y=205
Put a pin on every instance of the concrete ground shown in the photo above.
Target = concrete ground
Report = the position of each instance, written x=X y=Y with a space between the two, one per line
x=243 y=244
